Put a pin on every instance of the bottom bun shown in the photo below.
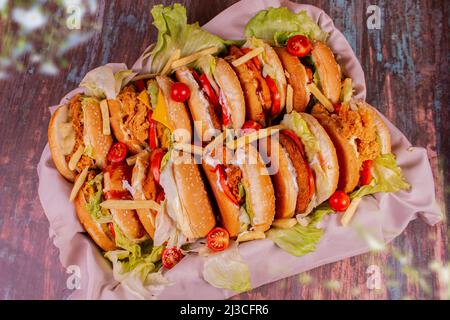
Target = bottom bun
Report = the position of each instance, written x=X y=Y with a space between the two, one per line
x=95 y=229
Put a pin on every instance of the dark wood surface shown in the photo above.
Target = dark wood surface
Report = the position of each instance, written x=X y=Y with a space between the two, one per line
x=407 y=72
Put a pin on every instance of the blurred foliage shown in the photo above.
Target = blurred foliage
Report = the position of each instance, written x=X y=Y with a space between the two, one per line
x=37 y=34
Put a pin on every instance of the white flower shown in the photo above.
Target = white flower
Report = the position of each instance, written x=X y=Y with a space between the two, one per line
x=30 y=19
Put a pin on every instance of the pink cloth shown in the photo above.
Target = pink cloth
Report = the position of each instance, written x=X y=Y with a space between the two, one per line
x=378 y=219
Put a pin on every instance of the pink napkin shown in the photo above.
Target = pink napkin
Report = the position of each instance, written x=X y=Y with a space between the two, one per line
x=377 y=221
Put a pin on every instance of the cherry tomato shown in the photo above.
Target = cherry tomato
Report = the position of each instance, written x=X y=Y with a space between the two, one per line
x=111 y=229
x=155 y=163
x=366 y=173
x=337 y=107
x=299 y=46
x=275 y=95
x=117 y=153
x=170 y=257
x=152 y=132
x=339 y=201
x=218 y=239
x=140 y=84
x=179 y=92
x=250 y=126
x=220 y=170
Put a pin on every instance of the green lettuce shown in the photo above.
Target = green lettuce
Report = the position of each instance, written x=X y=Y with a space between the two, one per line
x=300 y=240
x=226 y=270
x=153 y=90
x=279 y=24
x=387 y=177
x=296 y=123
x=175 y=33
x=102 y=82
x=137 y=266
x=99 y=214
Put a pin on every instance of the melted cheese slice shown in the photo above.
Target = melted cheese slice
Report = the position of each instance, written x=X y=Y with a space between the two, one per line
x=144 y=98
x=160 y=112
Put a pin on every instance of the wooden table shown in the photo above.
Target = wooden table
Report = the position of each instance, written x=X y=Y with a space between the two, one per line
x=407 y=73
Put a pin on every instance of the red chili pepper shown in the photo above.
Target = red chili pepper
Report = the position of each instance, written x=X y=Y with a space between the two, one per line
x=275 y=95
x=220 y=170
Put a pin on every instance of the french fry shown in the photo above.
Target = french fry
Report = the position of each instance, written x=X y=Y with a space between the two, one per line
x=105 y=117
x=191 y=58
x=319 y=95
x=189 y=148
x=78 y=184
x=75 y=158
x=246 y=57
x=350 y=212
x=250 y=235
x=284 y=223
x=256 y=135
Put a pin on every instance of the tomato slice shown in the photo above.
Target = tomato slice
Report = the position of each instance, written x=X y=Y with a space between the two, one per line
x=140 y=84
x=111 y=229
x=152 y=132
x=226 y=118
x=250 y=126
x=160 y=196
x=179 y=92
x=117 y=153
x=220 y=170
x=218 y=239
x=275 y=95
x=171 y=256
x=299 y=46
x=207 y=88
x=366 y=173
x=337 y=107
x=117 y=195
x=291 y=134
x=339 y=201
x=155 y=163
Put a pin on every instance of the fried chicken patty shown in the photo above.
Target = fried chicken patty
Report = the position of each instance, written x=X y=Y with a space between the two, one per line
x=296 y=155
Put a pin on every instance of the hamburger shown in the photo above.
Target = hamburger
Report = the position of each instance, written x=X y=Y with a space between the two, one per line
x=262 y=79
x=216 y=99
x=304 y=163
x=307 y=62
x=76 y=138
x=145 y=185
x=188 y=204
x=103 y=224
x=147 y=117
x=242 y=188
x=359 y=135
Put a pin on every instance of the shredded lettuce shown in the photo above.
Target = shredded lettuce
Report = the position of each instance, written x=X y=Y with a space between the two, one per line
x=100 y=214
x=296 y=123
x=153 y=90
x=137 y=266
x=175 y=33
x=279 y=24
x=101 y=82
x=387 y=177
x=226 y=270
x=300 y=240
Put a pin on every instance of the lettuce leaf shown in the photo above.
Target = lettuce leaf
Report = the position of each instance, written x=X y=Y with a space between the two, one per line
x=137 y=266
x=300 y=240
x=279 y=24
x=153 y=90
x=296 y=123
x=175 y=33
x=102 y=82
x=387 y=177
x=100 y=214
x=226 y=270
